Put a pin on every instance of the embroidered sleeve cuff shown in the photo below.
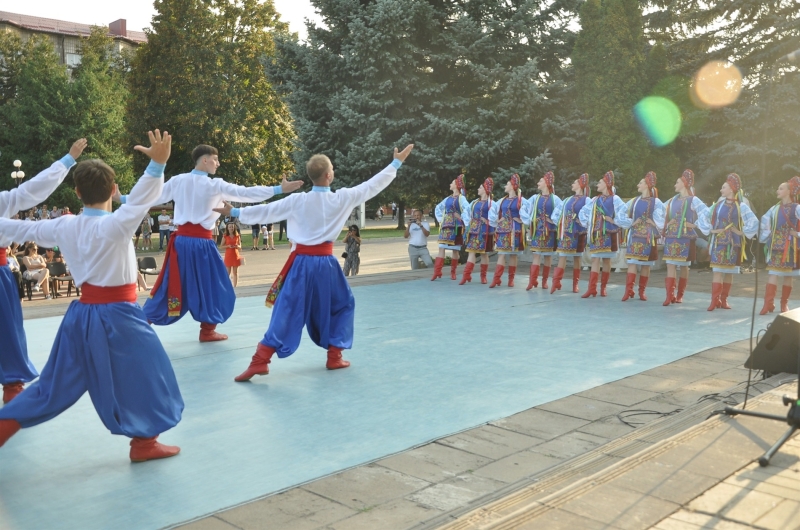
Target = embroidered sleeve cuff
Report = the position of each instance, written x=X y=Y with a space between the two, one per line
x=396 y=163
x=235 y=211
x=154 y=169
x=277 y=190
x=68 y=161
x=123 y=199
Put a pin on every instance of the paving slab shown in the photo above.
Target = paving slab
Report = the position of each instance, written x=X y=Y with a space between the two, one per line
x=570 y=445
x=652 y=382
x=563 y=520
x=665 y=482
x=540 y=423
x=490 y=441
x=517 y=466
x=434 y=462
x=620 y=507
x=583 y=408
x=618 y=394
x=785 y=515
x=399 y=513
x=735 y=503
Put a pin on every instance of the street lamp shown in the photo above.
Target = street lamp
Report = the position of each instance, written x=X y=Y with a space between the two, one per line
x=17 y=175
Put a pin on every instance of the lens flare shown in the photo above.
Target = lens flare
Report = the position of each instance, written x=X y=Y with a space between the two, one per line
x=659 y=118
x=717 y=84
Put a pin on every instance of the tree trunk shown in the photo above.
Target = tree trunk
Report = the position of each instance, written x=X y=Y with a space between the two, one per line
x=401 y=215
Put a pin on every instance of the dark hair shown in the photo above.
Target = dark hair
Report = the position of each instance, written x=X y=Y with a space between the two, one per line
x=317 y=166
x=355 y=227
x=94 y=180
x=28 y=247
x=201 y=151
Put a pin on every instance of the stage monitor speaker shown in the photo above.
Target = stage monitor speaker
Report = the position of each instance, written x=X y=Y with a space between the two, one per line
x=778 y=349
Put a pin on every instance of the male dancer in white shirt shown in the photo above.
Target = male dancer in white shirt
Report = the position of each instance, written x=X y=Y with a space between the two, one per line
x=15 y=367
x=104 y=344
x=311 y=289
x=193 y=277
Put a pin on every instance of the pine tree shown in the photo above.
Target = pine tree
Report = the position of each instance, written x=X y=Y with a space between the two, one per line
x=201 y=77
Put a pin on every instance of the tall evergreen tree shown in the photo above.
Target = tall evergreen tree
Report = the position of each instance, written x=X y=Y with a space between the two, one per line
x=200 y=76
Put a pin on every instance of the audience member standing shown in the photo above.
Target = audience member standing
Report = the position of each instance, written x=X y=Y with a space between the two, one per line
x=394 y=211
x=352 y=246
x=417 y=232
x=255 y=230
x=233 y=242
x=164 y=220
x=147 y=232
x=269 y=240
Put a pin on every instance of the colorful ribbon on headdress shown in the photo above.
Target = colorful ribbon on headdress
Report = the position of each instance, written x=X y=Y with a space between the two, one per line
x=650 y=180
x=735 y=182
x=460 y=184
x=794 y=188
x=688 y=181
x=609 y=180
x=549 y=179
x=515 y=184
x=583 y=182
x=488 y=186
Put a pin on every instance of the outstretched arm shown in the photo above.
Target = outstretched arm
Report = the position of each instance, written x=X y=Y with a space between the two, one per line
x=273 y=212
x=367 y=190
x=234 y=192
x=44 y=232
x=39 y=188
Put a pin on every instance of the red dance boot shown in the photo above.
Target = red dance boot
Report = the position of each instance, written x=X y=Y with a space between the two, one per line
x=642 y=286
x=144 y=449
x=512 y=271
x=557 y=275
x=453 y=269
x=8 y=428
x=467 y=277
x=630 y=281
x=437 y=268
x=258 y=364
x=335 y=360
x=592 y=286
x=207 y=333
x=12 y=390
x=484 y=271
x=723 y=298
x=534 y=279
x=603 y=282
x=669 y=283
x=716 y=290
x=576 y=280
x=545 y=275
x=682 y=283
x=786 y=292
x=498 y=277
x=769 y=299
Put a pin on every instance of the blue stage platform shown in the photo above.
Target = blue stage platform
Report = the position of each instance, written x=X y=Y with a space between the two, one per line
x=430 y=359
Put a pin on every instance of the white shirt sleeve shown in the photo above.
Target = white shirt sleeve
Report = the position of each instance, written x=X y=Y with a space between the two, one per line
x=367 y=190
x=766 y=226
x=585 y=215
x=624 y=222
x=526 y=210
x=36 y=190
x=273 y=212
x=749 y=221
x=439 y=211
x=494 y=213
x=466 y=210
x=620 y=211
x=558 y=211
x=124 y=221
x=44 y=232
x=659 y=214
x=557 y=205
x=234 y=192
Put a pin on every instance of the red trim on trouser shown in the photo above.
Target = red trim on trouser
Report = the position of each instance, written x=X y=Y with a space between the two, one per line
x=92 y=294
x=3 y=258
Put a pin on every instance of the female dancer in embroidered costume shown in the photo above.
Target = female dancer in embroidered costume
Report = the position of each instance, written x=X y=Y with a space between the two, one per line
x=571 y=234
x=508 y=216
x=682 y=213
x=480 y=235
x=543 y=229
x=602 y=217
x=453 y=215
x=729 y=221
x=779 y=234
x=645 y=216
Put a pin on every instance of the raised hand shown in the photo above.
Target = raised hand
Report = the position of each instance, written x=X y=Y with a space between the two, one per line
x=402 y=155
x=77 y=148
x=224 y=210
x=160 y=146
x=289 y=187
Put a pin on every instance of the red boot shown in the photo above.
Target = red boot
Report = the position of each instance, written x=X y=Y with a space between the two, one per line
x=453 y=268
x=335 y=360
x=557 y=275
x=484 y=271
x=144 y=449
x=534 y=279
x=512 y=271
x=498 y=277
x=545 y=275
x=769 y=299
x=12 y=390
x=592 y=286
x=207 y=333
x=8 y=428
x=630 y=281
x=258 y=364
x=467 y=277
x=576 y=280
x=669 y=283
x=437 y=268
x=723 y=298
x=786 y=292
x=716 y=290
x=642 y=286
x=603 y=282
x=682 y=283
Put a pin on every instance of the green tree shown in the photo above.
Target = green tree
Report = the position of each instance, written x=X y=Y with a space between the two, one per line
x=201 y=77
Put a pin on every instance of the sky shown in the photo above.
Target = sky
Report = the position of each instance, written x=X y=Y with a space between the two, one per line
x=137 y=12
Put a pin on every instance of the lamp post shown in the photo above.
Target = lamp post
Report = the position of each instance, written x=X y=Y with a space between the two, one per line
x=17 y=175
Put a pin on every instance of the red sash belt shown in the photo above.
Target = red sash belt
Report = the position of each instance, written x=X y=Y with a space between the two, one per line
x=174 y=299
x=3 y=259
x=323 y=249
x=92 y=294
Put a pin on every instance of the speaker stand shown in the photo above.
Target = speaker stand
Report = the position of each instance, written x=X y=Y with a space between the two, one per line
x=792 y=418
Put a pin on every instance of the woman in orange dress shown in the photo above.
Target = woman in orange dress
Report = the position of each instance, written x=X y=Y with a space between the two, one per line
x=233 y=242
